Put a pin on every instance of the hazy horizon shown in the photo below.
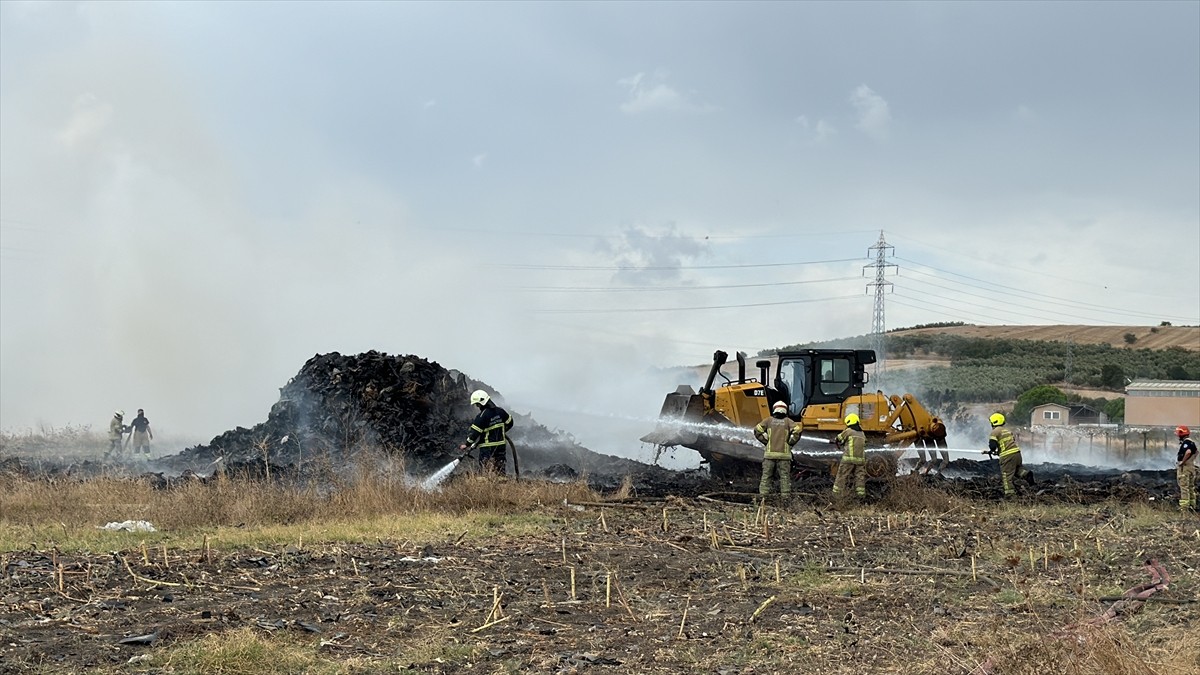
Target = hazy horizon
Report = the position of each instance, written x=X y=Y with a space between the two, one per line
x=556 y=198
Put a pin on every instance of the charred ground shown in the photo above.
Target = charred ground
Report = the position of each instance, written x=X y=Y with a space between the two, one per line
x=635 y=569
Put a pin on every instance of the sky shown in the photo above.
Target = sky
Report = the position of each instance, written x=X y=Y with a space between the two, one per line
x=558 y=198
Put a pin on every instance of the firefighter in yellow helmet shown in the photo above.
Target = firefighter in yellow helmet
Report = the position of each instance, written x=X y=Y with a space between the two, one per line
x=778 y=434
x=853 y=465
x=1002 y=442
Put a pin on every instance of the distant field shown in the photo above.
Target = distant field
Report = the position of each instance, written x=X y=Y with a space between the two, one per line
x=1148 y=337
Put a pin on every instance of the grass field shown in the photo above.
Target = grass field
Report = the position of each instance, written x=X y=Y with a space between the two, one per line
x=489 y=576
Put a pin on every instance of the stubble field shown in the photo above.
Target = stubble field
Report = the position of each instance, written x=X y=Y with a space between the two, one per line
x=497 y=576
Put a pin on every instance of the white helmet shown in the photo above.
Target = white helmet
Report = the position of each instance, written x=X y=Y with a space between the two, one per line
x=119 y=413
x=480 y=397
x=779 y=406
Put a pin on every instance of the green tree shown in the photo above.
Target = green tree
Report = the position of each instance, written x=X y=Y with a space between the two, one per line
x=1130 y=338
x=1032 y=398
x=1112 y=376
x=1177 y=372
x=1115 y=410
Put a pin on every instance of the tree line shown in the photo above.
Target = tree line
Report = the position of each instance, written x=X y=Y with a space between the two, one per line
x=984 y=370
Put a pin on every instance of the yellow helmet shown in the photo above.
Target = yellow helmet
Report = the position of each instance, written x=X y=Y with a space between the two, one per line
x=480 y=397
x=996 y=419
x=851 y=420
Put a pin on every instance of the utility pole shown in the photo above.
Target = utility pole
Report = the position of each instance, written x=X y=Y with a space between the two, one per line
x=881 y=286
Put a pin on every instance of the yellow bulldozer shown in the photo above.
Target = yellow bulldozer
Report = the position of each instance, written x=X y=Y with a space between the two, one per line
x=819 y=386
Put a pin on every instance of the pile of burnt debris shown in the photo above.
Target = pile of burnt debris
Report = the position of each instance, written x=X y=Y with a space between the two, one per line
x=405 y=407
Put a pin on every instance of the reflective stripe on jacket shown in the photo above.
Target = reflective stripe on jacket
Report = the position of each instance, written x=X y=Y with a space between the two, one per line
x=1006 y=443
x=489 y=427
x=854 y=444
x=778 y=434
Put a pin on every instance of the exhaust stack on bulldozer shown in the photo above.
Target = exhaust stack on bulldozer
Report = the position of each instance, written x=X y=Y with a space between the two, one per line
x=819 y=386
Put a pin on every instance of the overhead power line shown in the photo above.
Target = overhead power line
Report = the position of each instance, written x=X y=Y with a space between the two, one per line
x=649 y=289
x=741 y=305
x=993 y=301
x=1032 y=294
x=924 y=300
x=952 y=314
x=622 y=234
x=1008 y=267
x=659 y=268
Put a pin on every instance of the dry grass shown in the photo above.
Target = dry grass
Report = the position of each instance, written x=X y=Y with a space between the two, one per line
x=910 y=494
x=67 y=443
x=372 y=502
x=244 y=651
x=1103 y=650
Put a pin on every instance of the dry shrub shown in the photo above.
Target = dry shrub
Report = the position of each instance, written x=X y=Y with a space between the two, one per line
x=28 y=500
x=911 y=493
x=232 y=501
x=60 y=444
x=1097 y=650
x=488 y=492
x=625 y=491
x=368 y=490
x=244 y=651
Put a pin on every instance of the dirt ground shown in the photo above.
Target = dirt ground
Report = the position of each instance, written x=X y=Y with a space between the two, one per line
x=660 y=585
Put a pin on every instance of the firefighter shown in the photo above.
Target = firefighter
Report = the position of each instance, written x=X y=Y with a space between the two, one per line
x=141 y=435
x=1004 y=444
x=116 y=434
x=778 y=434
x=489 y=432
x=853 y=465
x=1185 y=468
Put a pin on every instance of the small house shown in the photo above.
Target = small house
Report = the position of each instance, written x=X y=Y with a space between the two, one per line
x=1050 y=415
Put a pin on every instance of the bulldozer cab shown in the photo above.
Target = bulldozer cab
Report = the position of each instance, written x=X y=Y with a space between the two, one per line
x=819 y=376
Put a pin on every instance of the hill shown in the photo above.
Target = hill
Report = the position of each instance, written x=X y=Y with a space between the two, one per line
x=949 y=365
x=1145 y=337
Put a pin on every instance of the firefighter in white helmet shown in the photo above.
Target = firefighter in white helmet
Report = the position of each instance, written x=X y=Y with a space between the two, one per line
x=116 y=434
x=489 y=432
x=778 y=434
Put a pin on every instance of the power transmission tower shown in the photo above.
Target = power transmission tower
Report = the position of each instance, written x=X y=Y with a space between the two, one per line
x=881 y=285
x=1070 y=358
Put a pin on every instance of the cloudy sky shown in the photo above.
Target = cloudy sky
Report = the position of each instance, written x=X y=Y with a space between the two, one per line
x=197 y=197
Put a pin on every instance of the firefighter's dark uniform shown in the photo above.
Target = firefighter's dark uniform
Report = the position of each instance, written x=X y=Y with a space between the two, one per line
x=1003 y=442
x=778 y=434
x=141 y=436
x=1185 y=473
x=489 y=434
x=853 y=465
